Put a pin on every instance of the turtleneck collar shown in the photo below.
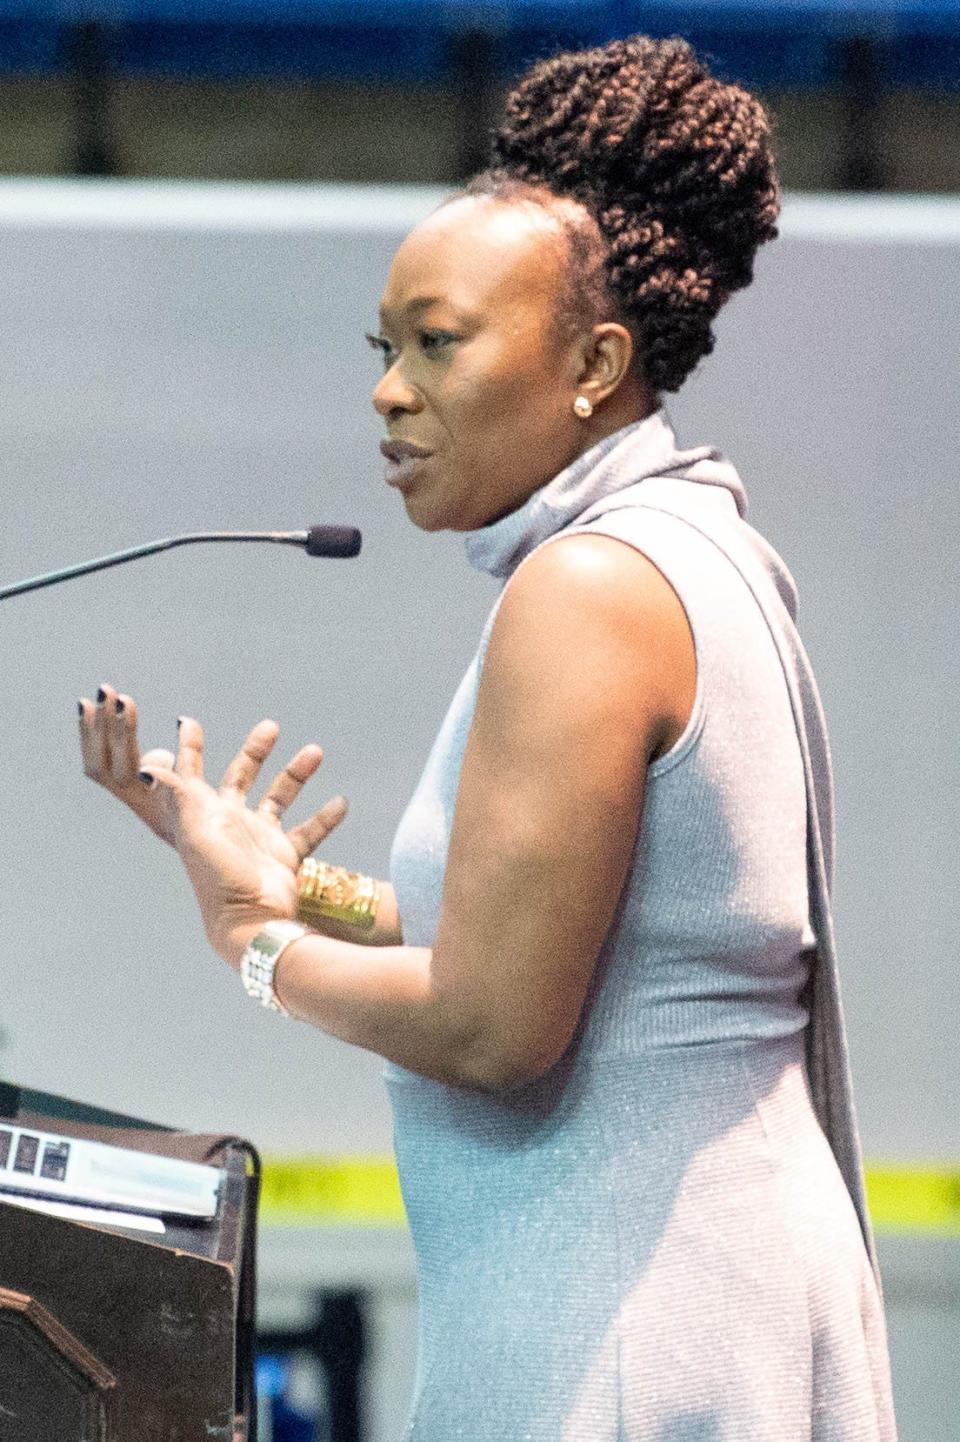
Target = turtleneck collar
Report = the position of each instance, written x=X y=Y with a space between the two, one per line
x=641 y=449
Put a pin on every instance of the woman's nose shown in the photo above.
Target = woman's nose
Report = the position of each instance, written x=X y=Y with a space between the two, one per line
x=393 y=393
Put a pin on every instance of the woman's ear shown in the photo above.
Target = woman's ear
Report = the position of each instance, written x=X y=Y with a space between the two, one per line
x=606 y=354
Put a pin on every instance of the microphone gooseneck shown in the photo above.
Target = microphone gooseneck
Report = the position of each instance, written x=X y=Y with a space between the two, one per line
x=335 y=542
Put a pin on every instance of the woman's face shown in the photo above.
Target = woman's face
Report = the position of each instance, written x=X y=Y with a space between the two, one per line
x=478 y=376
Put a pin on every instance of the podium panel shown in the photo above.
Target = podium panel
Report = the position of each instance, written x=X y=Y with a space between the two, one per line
x=119 y=1328
x=39 y=1358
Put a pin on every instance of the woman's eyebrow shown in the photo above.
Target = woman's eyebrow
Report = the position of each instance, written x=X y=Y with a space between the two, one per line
x=420 y=303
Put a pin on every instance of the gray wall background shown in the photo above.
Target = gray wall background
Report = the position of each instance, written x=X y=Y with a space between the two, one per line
x=177 y=357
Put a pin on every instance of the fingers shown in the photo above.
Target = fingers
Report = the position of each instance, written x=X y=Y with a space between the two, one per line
x=157 y=775
x=90 y=748
x=108 y=740
x=157 y=757
x=111 y=755
x=189 y=763
x=285 y=788
x=167 y=784
x=106 y=702
x=245 y=766
x=108 y=737
x=120 y=724
x=306 y=837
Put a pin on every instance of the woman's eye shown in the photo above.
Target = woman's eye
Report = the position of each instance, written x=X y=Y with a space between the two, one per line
x=380 y=343
x=433 y=339
x=429 y=341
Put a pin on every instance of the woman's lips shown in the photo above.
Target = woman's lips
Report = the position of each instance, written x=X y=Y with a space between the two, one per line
x=401 y=473
x=403 y=460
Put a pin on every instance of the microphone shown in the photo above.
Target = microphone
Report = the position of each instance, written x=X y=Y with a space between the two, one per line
x=331 y=541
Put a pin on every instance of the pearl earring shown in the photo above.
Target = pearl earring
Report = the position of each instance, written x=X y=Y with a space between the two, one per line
x=582 y=407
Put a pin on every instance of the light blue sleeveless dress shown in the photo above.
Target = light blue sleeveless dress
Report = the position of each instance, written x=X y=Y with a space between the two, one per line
x=664 y=1238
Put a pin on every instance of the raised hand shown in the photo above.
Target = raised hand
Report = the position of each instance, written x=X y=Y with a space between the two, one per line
x=242 y=864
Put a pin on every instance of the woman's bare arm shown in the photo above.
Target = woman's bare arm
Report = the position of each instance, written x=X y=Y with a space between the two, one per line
x=590 y=665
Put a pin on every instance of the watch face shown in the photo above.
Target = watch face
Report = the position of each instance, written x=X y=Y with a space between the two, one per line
x=274 y=936
x=258 y=962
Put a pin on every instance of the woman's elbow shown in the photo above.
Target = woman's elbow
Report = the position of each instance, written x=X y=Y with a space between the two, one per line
x=504 y=1063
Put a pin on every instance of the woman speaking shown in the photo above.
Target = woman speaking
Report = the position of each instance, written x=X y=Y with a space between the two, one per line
x=602 y=974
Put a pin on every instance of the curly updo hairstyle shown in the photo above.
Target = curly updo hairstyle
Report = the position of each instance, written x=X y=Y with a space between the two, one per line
x=676 y=171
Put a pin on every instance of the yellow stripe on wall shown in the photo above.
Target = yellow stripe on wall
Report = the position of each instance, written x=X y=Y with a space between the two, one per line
x=914 y=1199
x=330 y=1190
x=326 y=1190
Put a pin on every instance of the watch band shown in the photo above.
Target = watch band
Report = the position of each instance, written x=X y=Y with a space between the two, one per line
x=259 y=961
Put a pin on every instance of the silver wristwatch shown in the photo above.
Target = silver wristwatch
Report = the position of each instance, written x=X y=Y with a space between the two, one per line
x=259 y=960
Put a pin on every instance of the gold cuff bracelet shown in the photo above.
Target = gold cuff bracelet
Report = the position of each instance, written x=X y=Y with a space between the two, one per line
x=331 y=893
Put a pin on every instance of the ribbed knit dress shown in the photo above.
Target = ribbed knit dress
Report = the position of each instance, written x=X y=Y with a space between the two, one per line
x=663 y=1239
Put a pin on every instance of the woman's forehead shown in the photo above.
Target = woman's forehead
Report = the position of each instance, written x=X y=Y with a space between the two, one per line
x=473 y=253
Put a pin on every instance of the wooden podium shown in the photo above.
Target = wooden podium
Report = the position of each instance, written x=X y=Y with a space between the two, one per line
x=109 y=1334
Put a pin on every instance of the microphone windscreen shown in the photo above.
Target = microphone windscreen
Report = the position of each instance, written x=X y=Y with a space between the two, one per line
x=341 y=541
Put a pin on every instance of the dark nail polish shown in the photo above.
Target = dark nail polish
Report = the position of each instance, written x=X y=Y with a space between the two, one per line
x=146 y=778
x=101 y=695
x=80 y=708
x=179 y=722
x=121 y=706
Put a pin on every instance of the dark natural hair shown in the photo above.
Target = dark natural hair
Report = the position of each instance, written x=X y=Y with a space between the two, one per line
x=676 y=171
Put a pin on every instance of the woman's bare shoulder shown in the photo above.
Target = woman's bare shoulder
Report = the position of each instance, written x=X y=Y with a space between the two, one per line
x=585 y=594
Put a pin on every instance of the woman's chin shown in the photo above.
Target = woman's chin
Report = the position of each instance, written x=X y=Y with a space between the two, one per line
x=429 y=513
x=424 y=516
x=432 y=510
